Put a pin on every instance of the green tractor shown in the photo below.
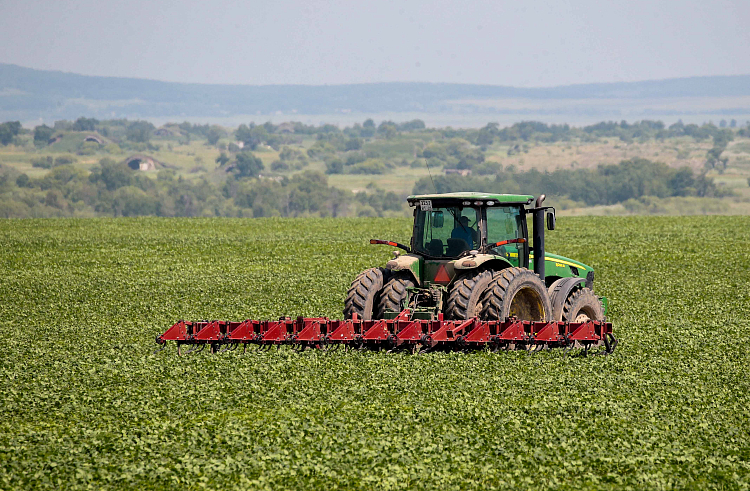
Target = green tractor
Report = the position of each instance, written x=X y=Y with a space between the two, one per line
x=469 y=257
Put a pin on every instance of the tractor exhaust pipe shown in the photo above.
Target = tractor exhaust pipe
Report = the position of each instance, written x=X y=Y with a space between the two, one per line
x=539 y=237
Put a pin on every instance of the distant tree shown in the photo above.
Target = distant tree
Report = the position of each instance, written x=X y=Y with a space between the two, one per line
x=269 y=127
x=329 y=128
x=368 y=128
x=388 y=129
x=714 y=160
x=252 y=135
x=242 y=133
x=132 y=201
x=139 y=131
x=112 y=174
x=353 y=144
x=279 y=165
x=487 y=135
x=733 y=123
x=414 y=124
x=8 y=131
x=335 y=166
x=723 y=123
x=213 y=135
x=22 y=181
x=54 y=199
x=85 y=124
x=247 y=165
x=42 y=134
x=222 y=159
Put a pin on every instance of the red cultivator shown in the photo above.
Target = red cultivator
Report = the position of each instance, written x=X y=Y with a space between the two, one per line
x=401 y=333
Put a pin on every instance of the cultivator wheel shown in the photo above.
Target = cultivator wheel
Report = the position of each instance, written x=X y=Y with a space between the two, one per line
x=464 y=301
x=516 y=292
x=582 y=305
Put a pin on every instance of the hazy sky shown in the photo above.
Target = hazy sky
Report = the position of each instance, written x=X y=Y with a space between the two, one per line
x=520 y=43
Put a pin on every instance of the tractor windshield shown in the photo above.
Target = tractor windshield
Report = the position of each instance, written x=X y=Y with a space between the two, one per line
x=446 y=231
x=506 y=223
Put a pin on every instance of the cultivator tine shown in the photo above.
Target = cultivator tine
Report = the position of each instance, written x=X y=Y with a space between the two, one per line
x=613 y=342
x=158 y=350
x=610 y=343
x=229 y=347
x=194 y=350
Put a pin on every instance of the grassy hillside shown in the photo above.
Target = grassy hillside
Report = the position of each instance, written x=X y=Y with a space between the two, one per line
x=86 y=404
x=365 y=170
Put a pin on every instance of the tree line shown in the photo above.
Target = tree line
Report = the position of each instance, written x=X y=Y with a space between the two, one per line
x=114 y=189
x=603 y=185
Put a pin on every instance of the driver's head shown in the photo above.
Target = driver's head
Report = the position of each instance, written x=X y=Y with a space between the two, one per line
x=464 y=220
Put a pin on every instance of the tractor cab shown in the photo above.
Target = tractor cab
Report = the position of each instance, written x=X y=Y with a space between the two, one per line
x=466 y=250
x=457 y=232
x=449 y=229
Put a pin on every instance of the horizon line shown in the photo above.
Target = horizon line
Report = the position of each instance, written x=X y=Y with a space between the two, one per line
x=692 y=77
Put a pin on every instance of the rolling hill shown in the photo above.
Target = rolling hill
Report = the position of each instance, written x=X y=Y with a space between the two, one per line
x=32 y=95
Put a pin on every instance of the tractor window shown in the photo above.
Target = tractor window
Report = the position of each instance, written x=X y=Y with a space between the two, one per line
x=506 y=224
x=446 y=231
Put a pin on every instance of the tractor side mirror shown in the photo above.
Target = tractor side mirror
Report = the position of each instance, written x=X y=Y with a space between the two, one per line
x=551 y=220
x=437 y=219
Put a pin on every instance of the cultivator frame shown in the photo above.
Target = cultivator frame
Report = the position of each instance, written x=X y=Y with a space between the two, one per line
x=401 y=333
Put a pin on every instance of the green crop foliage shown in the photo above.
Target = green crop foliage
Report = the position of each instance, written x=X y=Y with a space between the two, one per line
x=86 y=405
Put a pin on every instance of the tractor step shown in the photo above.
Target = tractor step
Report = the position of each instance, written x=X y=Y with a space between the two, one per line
x=403 y=332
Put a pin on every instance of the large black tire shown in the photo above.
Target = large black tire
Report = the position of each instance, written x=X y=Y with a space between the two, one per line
x=582 y=305
x=559 y=291
x=394 y=293
x=464 y=300
x=362 y=297
x=516 y=292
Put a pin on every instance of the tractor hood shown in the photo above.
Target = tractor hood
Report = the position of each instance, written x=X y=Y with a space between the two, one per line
x=564 y=267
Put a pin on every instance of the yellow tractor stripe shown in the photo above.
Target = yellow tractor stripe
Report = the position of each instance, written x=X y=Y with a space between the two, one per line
x=553 y=260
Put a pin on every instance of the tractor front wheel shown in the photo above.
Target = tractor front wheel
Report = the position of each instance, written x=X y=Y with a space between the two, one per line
x=394 y=293
x=516 y=292
x=362 y=297
x=581 y=306
x=464 y=299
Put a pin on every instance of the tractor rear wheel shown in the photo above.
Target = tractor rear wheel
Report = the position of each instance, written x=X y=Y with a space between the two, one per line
x=464 y=299
x=582 y=305
x=516 y=292
x=362 y=297
x=394 y=293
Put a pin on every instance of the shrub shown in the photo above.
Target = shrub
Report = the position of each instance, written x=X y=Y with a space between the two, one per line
x=279 y=165
x=43 y=162
x=369 y=166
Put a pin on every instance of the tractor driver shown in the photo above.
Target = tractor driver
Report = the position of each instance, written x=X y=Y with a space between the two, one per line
x=463 y=231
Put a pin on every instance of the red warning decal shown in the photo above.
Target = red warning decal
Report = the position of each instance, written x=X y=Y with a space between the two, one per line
x=442 y=275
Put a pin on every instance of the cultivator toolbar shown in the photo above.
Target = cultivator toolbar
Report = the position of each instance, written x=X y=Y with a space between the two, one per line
x=400 y=333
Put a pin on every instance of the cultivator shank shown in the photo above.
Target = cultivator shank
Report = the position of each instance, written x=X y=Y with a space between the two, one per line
x=400 y=333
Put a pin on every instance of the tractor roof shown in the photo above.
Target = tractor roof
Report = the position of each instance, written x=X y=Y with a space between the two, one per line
x=500 y=198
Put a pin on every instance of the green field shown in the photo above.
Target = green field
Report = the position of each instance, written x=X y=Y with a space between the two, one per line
x=86 y=405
